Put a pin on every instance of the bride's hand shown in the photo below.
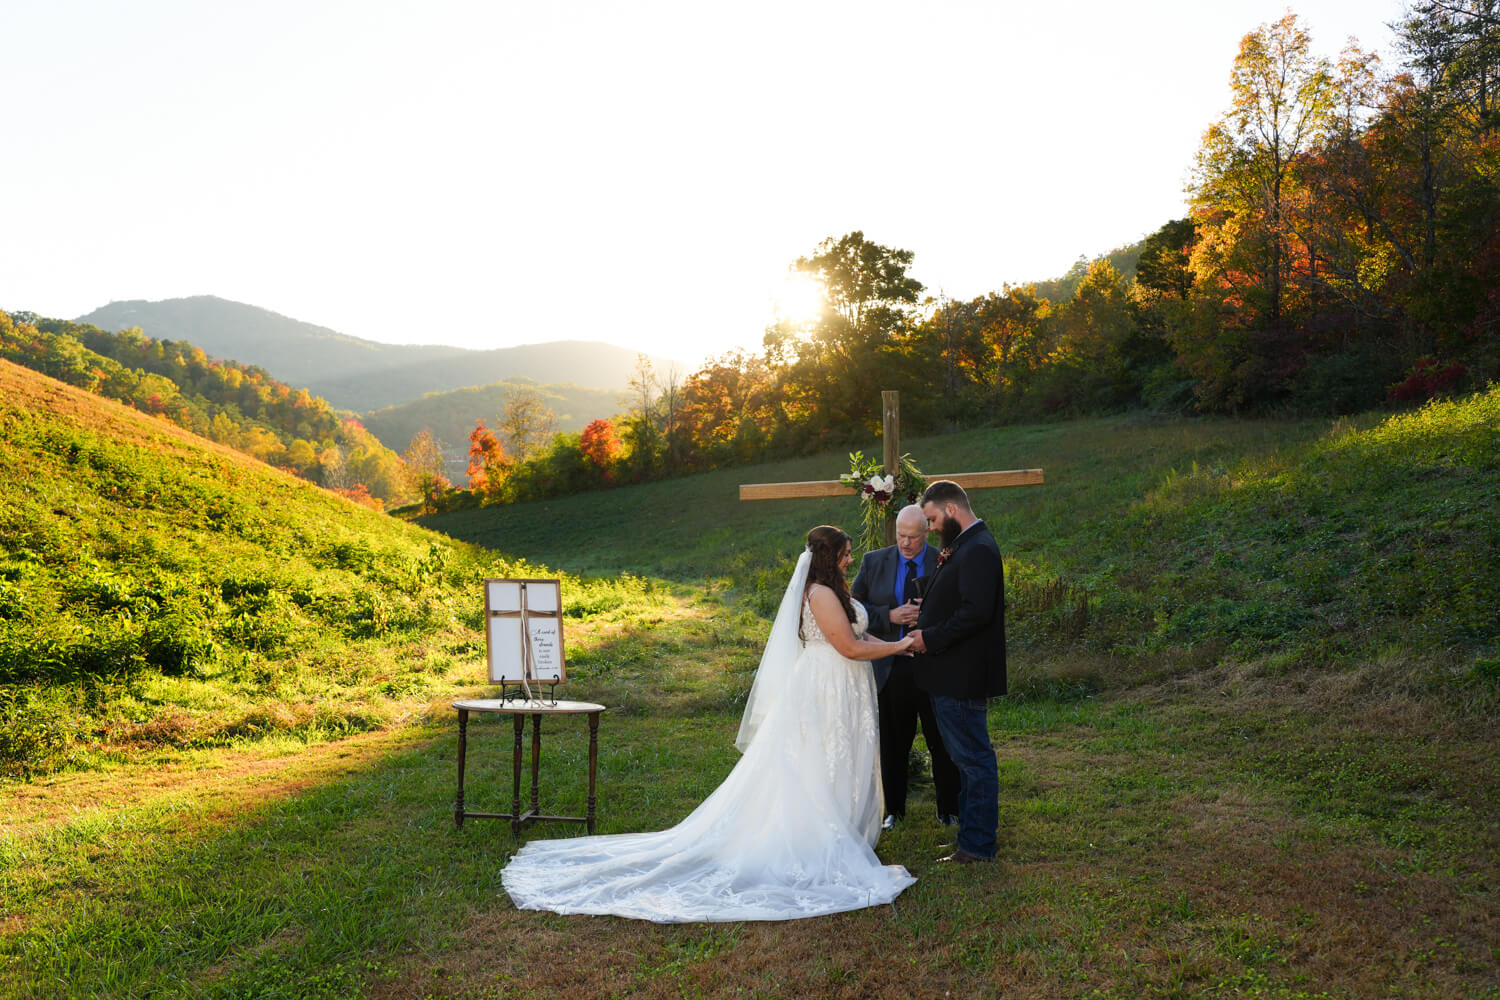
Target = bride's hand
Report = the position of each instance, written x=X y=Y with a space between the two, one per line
x=903 y=645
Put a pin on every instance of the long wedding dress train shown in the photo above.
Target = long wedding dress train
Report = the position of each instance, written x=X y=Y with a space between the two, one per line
x=790 y=832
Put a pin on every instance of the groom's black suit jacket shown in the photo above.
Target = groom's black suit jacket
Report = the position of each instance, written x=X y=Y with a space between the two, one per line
x=963 y=621
x=875 y=588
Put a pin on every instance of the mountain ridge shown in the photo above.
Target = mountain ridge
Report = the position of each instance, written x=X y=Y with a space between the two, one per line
x=356 y=374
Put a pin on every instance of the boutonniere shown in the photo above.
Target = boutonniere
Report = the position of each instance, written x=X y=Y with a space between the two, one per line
x=943 y=555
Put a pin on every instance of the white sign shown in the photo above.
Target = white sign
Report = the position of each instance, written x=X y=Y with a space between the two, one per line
x=524 y=631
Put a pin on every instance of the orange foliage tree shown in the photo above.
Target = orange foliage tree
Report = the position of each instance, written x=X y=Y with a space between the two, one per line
x=360 y=494
x=489 y=465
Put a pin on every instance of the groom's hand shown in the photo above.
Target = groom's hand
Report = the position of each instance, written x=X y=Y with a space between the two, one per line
x=917 y=645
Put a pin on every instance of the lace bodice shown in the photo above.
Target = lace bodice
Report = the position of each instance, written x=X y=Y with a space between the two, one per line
x=812 y=633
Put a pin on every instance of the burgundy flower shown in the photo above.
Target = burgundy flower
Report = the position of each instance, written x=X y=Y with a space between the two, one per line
x=943 y=554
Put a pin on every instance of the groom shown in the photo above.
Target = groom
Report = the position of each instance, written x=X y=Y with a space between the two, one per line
x=888 y=581
x=960 y=642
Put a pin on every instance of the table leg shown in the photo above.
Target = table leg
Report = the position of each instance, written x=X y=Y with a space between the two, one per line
x=515 y=813
x=593 y=763
x=463 y=746
x=536 y=757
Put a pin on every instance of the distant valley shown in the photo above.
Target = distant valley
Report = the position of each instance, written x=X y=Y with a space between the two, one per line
x=362 y=375
x=450 y=415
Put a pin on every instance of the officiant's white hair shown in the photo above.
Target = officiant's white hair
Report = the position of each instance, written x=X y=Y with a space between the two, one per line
x=911 y=512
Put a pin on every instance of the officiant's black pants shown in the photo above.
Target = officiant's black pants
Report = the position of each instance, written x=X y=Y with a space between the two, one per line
x=902 y=706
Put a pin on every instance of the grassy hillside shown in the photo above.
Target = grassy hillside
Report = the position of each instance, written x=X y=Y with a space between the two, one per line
x=159 y=590
x=1251 y=750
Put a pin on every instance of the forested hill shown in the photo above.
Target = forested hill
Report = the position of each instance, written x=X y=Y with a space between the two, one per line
x=228 y=402
x=357 y=374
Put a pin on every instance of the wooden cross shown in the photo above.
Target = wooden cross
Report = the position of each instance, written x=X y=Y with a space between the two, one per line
x=890 y=418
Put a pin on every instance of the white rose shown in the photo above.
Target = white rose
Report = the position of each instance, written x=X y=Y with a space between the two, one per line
x=889 y=484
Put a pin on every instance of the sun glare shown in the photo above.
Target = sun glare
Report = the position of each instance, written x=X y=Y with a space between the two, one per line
x=800 y=299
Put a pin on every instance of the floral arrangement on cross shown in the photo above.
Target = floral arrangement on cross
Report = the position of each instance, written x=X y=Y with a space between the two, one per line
x=881 y=494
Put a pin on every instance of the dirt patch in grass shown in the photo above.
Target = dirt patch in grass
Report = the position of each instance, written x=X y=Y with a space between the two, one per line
x=1332 y=912
x=284 y=940
x=530 y=955
x=216 y=783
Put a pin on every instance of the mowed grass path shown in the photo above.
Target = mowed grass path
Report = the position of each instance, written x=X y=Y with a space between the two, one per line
x=1189 y=807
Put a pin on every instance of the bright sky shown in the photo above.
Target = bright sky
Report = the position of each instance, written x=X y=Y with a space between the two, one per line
x=493 y=173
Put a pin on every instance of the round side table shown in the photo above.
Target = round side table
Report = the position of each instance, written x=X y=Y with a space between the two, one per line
x=519 y=709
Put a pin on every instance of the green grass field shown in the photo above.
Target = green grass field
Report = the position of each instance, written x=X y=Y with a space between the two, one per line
x=1250 y=752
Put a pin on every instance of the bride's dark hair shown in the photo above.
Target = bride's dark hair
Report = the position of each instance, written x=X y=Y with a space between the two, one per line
x=826 y=543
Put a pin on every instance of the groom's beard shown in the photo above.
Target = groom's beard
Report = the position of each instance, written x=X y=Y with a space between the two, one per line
x=949 y=531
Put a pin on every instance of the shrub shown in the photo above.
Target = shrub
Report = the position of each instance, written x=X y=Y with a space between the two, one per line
x=1346 y=382
x=1427 y=378
x=36 y=733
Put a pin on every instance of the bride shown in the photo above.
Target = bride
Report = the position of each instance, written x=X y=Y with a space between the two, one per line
x=791 y=831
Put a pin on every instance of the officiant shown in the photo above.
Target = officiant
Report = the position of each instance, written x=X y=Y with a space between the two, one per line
x=888 y=582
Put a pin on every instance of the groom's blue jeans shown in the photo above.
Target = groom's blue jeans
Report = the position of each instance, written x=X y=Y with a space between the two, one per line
x=964 y=723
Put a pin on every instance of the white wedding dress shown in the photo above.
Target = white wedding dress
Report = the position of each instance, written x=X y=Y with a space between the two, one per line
x=790 y=832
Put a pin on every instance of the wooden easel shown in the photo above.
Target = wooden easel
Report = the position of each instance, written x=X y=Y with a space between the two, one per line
x=524 y=647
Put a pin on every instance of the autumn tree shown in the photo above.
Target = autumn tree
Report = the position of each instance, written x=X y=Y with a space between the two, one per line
x=1282 y=98
x=838 y=366
x=1404 y=200
x=489 y=466
x=1458 y=43
x=361 y=495
x=334 y=470
x=727 y=408
x=1436 y=137
x=1246 y=255
x=527 y=422
x=981 y=352
x=1342 y=219
x=640 y=422
x=1163 y=266
x=600 y=445
x=422 y=468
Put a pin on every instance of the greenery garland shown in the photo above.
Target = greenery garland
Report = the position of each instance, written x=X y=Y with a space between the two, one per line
x=878 y=493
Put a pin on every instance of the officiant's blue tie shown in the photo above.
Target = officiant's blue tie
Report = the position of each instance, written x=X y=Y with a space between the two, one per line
x=906 y=587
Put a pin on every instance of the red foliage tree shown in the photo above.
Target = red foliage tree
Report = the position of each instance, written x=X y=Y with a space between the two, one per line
x=600 y=444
